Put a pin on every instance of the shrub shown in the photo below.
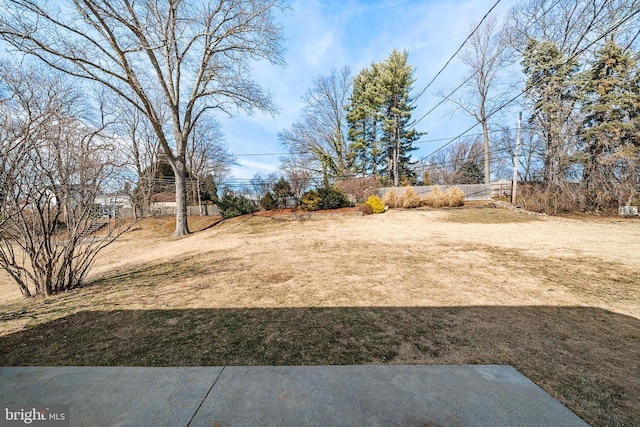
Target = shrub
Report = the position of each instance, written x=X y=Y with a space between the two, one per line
x=455 y=197
x=407 y=181
x=268 y=202
x=390 y=199
x=426 y=178
x=409 y=199
x=366 y=209
x=435 y=199
x=558 y=199
x=233 y=204
x=359 y=188
x=375 y=204
x=332 y=198
x=310 y=201
x=282 y=190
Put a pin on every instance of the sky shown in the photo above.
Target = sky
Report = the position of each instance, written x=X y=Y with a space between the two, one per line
x=325 y=35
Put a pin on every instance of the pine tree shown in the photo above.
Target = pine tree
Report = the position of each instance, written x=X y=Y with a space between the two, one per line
x=364 y=118
x=611 y=125
x=397 y=79
x=469 y=173
x=551 y=87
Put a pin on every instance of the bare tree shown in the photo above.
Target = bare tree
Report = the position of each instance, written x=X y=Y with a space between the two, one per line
x=530 y=154
x=484 y=58
x=321 y=133
x=207 y=152
x=298 y=173
x=139 y=147
x=574 y=25
x=54 y=164
x=262 y=184
x=195 y=56
x=443 y=165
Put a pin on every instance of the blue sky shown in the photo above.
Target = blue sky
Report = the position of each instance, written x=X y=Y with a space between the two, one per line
x=321 y=35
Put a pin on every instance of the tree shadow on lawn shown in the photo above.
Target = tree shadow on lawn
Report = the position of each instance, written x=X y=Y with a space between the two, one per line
x=585 y=357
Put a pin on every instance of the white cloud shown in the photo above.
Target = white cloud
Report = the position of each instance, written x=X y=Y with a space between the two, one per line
x=321 y=35
x=246 y=169
x=315 y=50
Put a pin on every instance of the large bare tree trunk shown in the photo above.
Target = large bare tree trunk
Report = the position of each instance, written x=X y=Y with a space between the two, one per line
x=175 y=58
x=179 y=170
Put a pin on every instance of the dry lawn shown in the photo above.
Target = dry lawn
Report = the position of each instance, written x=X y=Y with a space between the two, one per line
x=559 y=299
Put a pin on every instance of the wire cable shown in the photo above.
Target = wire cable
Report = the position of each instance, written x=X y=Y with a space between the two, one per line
x=456 y=52
x=571 y=58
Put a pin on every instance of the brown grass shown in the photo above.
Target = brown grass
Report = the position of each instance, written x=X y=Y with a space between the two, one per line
x=455 y=197
x=555 y=298
x=391 y=199
x=486 y=215
x=409 y=199
x=435 y=198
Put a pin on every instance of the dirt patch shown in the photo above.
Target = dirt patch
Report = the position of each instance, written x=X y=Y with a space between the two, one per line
x=556 y=298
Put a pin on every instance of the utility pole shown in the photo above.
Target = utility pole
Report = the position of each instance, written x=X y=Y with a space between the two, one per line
x=199 y=199
x=515 y=161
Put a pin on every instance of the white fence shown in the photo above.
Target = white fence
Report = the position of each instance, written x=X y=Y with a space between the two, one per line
x=471 y=191
x=167 y=209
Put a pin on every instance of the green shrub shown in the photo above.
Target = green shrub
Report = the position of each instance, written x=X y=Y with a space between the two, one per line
x=268 y=202
x=332 y=198
x=310 y=201
x=233 y=204
x=375 y=204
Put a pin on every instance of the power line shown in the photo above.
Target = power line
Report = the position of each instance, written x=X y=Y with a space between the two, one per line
x=259 y=154
x=500 y=52
x=457 y=51
x=571 y=58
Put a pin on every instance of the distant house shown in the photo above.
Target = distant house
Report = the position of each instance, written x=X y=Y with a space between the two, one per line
x=111 y=205
x=164 y=203
x=164 y=197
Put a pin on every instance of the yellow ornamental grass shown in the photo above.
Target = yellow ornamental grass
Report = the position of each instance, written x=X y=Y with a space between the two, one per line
x=376 y=204
x=390 y=199
x=435 y=198
x=453 y=197
x=409 y=199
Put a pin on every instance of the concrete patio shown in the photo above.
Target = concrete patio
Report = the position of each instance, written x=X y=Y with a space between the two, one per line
x=388 y=395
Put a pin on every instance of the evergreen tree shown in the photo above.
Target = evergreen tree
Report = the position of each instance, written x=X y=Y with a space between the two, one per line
x=364 y=118
x=396 y=76
x=611 y=125
x=469 y=173
x=551 y=88
x=380 y=119
x=282 y=191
